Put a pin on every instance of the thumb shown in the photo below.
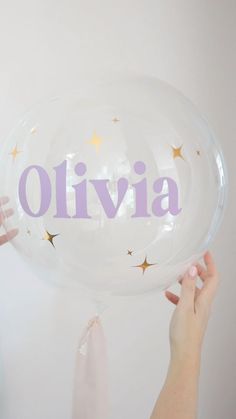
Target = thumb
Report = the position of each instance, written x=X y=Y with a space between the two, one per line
x=188 y=288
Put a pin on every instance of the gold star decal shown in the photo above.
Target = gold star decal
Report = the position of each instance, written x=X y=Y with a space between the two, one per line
x=14 y=153
x=96 y=141
x=130 y=252
x=198 y=152
x=145 y=265
x=177 y=152
x=33 y=130
x=115 y=120
x=49 y=237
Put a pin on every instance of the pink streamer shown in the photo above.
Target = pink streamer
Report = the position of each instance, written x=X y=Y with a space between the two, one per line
x=91 y=400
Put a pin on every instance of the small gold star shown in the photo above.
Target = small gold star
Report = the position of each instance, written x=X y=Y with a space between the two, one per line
x=96 y=141
x=33 y=130
x=14 y=153
x=115 y=119
x=145 y=265
x=198 y=152
x=50 y=237
x=177 y=152
x=130 y=252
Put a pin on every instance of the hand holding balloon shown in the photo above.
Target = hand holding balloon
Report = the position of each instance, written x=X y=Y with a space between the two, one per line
x=191 y=315
x=178 y=398
x=6 y=214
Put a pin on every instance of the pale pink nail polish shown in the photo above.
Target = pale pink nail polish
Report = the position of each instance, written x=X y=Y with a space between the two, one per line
x=192 y=271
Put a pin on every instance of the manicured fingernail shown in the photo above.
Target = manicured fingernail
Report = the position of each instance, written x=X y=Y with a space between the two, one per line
x=192 y=271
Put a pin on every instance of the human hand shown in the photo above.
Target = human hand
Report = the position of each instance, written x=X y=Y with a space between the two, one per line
x=178 y=397
x=190 y=318
x=6 y=214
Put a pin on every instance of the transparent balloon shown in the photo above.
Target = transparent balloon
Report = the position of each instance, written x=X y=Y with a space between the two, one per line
x=87 y=175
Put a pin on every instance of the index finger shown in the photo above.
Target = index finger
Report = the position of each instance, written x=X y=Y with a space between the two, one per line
x=8 y=236
x=210 y=264
x=4 y=200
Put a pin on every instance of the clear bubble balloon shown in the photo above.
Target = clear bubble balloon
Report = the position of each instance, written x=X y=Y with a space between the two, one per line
x=117 y=188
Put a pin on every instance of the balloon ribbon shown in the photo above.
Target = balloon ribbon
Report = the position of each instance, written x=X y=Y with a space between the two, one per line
x=91 y=400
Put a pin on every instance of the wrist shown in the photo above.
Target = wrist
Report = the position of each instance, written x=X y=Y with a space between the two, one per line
x=186 y=352
x=185 y=361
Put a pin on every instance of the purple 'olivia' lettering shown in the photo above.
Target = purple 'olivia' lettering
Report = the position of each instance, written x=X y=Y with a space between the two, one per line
x=169 y=199
x=61 y=190
x=81 y=193
x=45 y=191
x=100 y=186
x=140 y=191
x=172 y=194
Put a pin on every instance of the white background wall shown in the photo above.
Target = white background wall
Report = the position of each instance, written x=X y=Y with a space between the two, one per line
x=47 y=46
